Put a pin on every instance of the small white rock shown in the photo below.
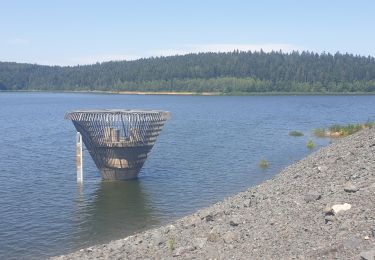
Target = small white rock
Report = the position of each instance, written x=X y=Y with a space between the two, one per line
x=171 y=227
x=341 y=207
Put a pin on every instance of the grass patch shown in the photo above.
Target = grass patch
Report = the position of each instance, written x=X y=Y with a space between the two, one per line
x=295 y=133
x=320 y=132
x=263 y=164
x=171 y=244
x=337 y=130
x=310 y=144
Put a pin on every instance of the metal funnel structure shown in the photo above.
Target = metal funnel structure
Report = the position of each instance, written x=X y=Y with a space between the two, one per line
x=118 y=140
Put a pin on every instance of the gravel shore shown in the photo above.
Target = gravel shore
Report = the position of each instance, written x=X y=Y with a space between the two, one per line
x=322 y=207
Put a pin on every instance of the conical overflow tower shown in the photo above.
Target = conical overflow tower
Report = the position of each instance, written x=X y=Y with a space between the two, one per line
x=118 y=140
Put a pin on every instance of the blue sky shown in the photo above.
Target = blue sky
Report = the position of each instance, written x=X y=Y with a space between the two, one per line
x=74 y=32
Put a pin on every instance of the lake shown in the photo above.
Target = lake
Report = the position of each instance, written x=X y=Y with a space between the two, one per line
x=208 y=150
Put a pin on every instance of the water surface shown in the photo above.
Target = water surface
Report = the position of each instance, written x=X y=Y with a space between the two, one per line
x=208 y=150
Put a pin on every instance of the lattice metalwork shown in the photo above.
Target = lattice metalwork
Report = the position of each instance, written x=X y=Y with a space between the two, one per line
x=119 y=140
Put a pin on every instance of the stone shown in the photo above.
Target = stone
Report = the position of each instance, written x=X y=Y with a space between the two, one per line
x=312 y=196
x=89 y=250
x=171 y=227
x=328 y=210
x=217 y=229
x=341 y=207
x=200 y=242
x=373 y=232
x=247 y=203
x=194 y=220
x=354 y=176
x=138 y=241
x=182 y=250
x=235 y=221
x=230 y=237
x=352 y=243
x=322 y=168
x=158 y=238
x=367 y=255
x=215 y=233
x=209 y=218
x=350 y=187
x=213 y=237
x=330 y=218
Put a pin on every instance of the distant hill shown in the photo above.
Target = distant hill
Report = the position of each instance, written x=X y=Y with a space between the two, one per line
x=232 y=72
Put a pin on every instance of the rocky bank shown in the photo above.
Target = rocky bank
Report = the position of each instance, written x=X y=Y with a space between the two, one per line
x=322 y=207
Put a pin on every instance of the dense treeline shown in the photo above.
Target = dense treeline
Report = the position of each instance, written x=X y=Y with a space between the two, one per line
x=233 y=72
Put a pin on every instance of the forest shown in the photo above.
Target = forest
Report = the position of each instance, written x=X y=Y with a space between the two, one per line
x=234 y=72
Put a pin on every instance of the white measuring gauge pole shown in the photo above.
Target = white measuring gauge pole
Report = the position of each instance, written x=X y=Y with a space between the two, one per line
x=79 y=158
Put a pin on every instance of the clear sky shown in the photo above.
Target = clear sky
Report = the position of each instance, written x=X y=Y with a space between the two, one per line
x=70 y=32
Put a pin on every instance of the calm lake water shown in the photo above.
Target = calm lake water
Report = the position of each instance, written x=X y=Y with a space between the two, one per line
x=208 y=150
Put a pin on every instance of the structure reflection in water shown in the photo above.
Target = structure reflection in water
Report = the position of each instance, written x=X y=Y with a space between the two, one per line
x=115 y=210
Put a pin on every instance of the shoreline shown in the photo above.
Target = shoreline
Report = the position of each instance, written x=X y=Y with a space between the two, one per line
x=321 y=207
x=184 y=93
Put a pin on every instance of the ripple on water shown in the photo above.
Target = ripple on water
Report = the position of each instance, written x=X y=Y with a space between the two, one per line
x=210 y=149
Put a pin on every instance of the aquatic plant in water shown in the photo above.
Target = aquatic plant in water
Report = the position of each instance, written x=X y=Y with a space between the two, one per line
x=295 y=133
x=337 y=130
x=310 y=144
x=263 y=164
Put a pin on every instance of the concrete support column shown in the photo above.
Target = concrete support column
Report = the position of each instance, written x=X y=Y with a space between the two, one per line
x=79 y=157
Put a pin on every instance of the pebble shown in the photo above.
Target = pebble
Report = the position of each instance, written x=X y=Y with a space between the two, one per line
x=330 y=218
x=367 y=255
x=311 y=197
x=350 y=187
x=247 y=203
x=352 y=243
x=213 y=236
x=158 y=238
x=328 y=210
x=182 y=250
x=322 y=168
x=200 y=242
x=209 y=218
x=230 y=237
x=341 y=207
